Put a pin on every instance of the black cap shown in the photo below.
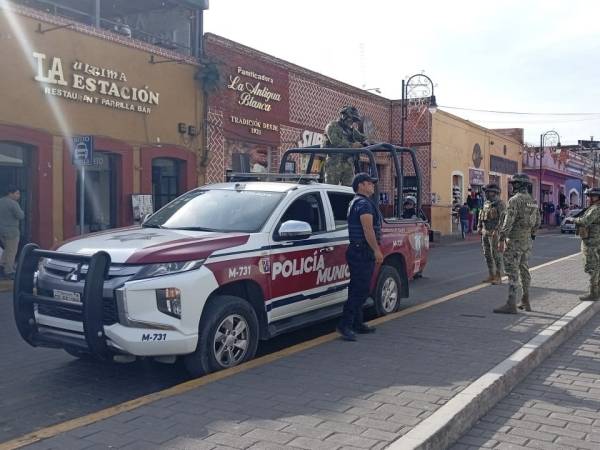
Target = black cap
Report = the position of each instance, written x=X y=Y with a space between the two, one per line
x=360 y=177
x=592 y=191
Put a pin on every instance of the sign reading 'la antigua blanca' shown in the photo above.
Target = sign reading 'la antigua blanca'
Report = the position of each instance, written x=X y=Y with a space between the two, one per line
x=93 y=85
x=253 y=94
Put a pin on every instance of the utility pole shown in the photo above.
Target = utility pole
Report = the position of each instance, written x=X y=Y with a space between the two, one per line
x=594 y=147
x=591 y=146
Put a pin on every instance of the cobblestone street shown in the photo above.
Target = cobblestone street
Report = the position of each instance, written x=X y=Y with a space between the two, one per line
x=364 y=394
x=556 y=407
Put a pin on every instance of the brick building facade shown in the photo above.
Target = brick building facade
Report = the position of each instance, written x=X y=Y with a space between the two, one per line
x=265 y=105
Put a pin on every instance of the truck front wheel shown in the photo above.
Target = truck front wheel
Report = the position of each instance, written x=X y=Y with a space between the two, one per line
x=227 y=336
x=387 y=291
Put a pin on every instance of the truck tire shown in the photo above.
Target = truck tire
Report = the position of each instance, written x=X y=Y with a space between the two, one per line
x=387 y=291
x=227 y=336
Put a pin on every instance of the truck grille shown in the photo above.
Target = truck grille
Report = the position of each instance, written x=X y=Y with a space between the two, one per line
x=110 y=314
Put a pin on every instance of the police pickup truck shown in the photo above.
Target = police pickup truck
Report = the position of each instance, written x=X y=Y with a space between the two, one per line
x=218 y=269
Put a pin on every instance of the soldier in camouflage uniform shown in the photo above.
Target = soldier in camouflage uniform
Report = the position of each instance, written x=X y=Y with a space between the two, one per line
x=518 y=228
x=339 y=169
x=588 y=229
x=487 y=225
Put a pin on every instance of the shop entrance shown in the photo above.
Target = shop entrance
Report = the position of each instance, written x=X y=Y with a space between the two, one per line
x=100 y=193
x=15 y=162
x=166 y=181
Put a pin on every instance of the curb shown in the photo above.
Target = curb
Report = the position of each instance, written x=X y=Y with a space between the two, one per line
x=458 y=415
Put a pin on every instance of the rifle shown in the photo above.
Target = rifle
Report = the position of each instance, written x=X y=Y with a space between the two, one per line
x=581 y=231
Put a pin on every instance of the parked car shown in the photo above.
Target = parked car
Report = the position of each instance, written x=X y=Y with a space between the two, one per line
x=567 y=225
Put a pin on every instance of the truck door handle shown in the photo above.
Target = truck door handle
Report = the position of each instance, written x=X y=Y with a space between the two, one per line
x=326 y=250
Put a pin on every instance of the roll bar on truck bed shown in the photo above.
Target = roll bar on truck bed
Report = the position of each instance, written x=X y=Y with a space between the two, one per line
x=395 y=154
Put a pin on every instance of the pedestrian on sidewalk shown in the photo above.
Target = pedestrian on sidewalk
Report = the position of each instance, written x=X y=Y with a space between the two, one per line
x=471 y=203
x=487 y=226
x=521 y=221
x=10 y=216
x=588 y=229
x=364 y=230
x=463 y=215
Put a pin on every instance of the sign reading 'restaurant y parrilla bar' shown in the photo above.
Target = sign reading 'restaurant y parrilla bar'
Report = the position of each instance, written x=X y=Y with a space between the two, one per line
x=93 y=84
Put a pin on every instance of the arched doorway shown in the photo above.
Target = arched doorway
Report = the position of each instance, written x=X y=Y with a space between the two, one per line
x=15 y=169
x=457 y=198
x=574 y=198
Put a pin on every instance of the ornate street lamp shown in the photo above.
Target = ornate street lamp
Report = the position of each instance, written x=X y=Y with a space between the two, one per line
x=551 y=139
x=417 y=86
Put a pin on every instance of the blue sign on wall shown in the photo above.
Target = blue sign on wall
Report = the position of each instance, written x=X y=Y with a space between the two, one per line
x=82 y=150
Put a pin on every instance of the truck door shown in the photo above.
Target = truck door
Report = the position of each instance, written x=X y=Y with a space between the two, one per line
x=298 y=267
x=339 y=202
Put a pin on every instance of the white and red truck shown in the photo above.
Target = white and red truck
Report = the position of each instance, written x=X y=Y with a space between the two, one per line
x=216 y=270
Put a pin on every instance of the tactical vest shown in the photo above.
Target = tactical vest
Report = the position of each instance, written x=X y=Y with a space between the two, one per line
x=490 y=215
x=527 y=214
x=591 y=232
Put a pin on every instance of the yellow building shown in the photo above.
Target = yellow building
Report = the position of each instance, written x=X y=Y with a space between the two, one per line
x=464 y=157
x=135 y=106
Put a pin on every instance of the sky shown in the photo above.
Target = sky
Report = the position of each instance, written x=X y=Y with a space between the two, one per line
x=513 y=56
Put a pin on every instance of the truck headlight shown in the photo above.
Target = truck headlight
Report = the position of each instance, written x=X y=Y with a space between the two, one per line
x=168 y=301
x=161 y=269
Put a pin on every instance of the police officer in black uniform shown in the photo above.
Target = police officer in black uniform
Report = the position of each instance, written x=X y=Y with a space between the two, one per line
x=364 y=229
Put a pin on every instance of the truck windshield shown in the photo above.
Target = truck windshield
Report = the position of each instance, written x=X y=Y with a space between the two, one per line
x=217 y=210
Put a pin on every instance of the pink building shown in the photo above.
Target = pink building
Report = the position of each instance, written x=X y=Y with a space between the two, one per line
x=562 y=173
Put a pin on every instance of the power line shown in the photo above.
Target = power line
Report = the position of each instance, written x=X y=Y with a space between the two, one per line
x=522 y=113
x=516 y=121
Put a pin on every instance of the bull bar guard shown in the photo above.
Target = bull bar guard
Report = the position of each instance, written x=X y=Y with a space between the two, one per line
x=91 y=309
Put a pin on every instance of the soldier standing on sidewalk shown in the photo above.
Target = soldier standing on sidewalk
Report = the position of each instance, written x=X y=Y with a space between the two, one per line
x=521 y=221
x=588 y=229
x=487 y=226
x=342 y=134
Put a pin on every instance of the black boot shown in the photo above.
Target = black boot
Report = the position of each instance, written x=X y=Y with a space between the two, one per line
x=346 y=333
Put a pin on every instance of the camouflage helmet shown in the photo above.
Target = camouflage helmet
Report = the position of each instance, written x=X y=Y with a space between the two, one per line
x=521 y=178
x=492 y=187
x=592 y=191
x=350 y=111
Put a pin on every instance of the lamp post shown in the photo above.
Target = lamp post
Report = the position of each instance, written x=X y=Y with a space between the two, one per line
x=420 y=86
x=554 y=138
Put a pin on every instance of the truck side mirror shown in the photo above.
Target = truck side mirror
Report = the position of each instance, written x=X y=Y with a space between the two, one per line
x=295 y=230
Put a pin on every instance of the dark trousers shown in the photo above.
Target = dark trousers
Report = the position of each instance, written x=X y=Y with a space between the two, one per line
x=361 y=263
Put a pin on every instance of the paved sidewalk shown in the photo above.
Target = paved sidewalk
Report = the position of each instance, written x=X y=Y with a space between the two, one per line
x=343 y=395
x=556 y=407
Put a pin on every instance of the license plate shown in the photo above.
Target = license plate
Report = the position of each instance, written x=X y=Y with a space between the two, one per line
x=67 y=296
